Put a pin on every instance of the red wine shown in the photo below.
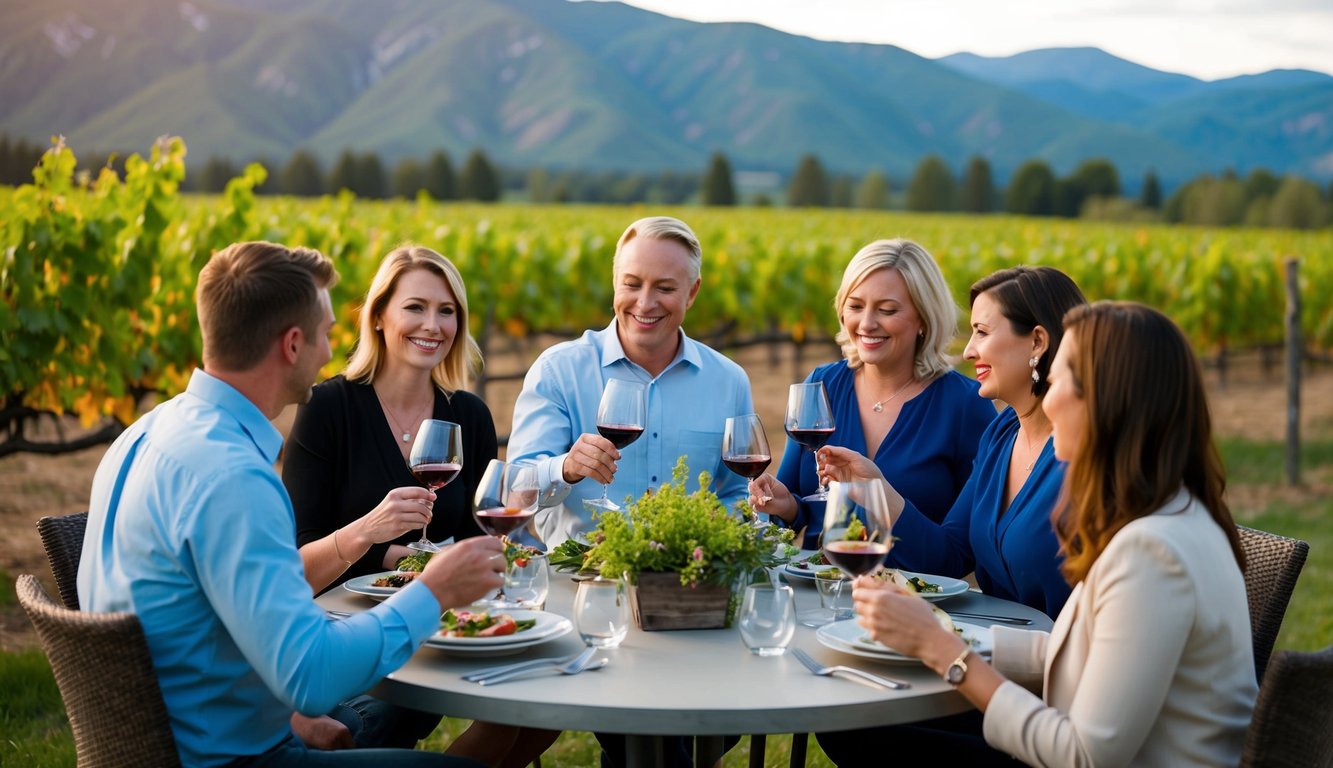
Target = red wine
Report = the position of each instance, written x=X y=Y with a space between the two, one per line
x=620 y=435
x=500 y=521
x=813 y=439
x=856 y=557
x=750 y=466
x=436 y=476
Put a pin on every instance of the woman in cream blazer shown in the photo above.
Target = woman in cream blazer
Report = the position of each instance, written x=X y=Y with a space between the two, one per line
x=1150 y=661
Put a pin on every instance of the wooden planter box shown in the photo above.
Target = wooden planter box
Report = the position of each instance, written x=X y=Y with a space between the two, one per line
x=660 y=601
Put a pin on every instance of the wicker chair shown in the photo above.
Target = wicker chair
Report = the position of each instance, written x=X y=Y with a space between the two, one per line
x=62 y=538
x=1291 y=717
x=1272 y=565
x=107 y=681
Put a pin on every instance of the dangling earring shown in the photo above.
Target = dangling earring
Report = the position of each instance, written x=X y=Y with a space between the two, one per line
x=1036 y=377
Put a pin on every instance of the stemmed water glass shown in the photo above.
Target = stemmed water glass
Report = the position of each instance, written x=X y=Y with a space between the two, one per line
x=505 y=501
x=621 y=417
x=810 y=422
x=857 y=526
x=436 y=459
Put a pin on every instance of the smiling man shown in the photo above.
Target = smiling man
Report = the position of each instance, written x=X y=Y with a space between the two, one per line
x=691 y=389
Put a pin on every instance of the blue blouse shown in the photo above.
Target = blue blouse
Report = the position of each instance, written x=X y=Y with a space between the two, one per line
x=1014 y=553
x=927 y=456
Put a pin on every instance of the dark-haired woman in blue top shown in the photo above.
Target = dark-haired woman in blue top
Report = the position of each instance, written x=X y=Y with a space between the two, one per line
x=894 y=397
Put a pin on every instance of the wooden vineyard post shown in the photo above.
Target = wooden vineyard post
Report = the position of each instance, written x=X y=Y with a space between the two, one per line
x=1294 y=348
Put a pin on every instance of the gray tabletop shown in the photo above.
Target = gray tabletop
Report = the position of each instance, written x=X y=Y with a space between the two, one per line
x=701 y=682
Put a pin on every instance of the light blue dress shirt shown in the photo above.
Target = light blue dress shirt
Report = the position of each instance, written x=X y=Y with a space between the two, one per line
x=688 y=406
x=190 y=528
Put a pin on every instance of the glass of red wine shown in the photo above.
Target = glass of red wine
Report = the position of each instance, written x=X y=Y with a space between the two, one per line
x=856 y=526
x=436 y=459
x=621 y=417
x=505 y=501
x=745 y=446
x=810 y=422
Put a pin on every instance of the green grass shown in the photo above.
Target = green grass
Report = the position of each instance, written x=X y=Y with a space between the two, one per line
x=36 y=735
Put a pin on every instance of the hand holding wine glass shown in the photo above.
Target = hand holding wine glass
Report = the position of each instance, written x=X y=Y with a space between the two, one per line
x=436 y=459
x=810 y=422
x=745 y=446
x=621 y=417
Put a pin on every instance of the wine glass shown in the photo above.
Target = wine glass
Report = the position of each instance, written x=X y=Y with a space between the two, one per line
x=745 y=446
x=620 y=418
x=505 y=501
x=857 y=526
x=436 y=459
x=810 y=422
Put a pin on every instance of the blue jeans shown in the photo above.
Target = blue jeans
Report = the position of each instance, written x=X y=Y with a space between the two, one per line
x=377 y=723
x=292 y=753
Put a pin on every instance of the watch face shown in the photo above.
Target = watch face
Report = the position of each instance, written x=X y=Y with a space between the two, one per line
x=954 y=675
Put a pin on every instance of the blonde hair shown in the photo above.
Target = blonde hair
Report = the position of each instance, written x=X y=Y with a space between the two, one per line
x=928 y=291
x=663 y=228
x=464 y=356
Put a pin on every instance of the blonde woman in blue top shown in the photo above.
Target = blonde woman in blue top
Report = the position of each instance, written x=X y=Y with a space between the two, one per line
x=895 y=397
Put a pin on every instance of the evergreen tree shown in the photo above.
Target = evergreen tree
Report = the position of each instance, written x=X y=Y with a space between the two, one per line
x=717 y=187
x=302 y=175
x=370 y=178
x=1260 y=183
x=479 y=180
x=1092 y=178
x=440 y=180
x=932 y=187
x=343 y=174
x=1296 y=205
x=809 y=186
x=978 y=186
x=873 y=193
x=408 y=178
x=1031 y=192
x=215 y=174
x=1150 y=196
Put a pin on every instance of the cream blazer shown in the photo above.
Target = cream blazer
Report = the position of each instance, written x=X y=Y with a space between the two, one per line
x=1149 y=664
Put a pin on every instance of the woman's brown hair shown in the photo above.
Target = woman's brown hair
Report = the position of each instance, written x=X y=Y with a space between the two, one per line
x=1148 y=430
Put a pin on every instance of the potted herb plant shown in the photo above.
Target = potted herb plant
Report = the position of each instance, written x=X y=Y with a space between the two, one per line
x=685 y=555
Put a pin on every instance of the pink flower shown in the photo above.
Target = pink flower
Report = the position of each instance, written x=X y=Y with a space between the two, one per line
x=699 y=553
x=657 y=545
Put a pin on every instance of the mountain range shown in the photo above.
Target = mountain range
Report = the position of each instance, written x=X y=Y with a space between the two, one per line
x=607 y=86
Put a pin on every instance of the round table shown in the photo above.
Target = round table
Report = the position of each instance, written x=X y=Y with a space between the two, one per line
x=699 y=682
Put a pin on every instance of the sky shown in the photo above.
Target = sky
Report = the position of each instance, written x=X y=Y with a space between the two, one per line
x=1208 y=39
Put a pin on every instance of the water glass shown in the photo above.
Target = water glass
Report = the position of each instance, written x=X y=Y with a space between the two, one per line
x=767 y=618
x=830 y=589
x=601 y=611
x=526 y=585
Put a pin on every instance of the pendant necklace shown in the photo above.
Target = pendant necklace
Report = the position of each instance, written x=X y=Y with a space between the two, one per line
x=879 y=406
x=397 y=424
x=1032 y=463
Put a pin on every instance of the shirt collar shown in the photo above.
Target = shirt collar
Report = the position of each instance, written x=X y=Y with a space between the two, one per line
x=612 y=351
x=217 y=392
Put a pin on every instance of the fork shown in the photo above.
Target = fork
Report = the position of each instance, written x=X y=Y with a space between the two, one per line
x=482 y=674
x=820 y=669
x=582 y=663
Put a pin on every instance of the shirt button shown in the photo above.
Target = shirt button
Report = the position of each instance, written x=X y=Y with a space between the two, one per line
x=654 y=478
x=654 y=434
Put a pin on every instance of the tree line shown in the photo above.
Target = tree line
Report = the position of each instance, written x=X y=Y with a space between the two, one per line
x=1093 y=190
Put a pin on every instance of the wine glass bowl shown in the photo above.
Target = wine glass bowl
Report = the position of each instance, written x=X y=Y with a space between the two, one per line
x=856 y=526
x=745 y=446
x=809 y=421
x=621 y=417
x=506 y=499
x=436 y=459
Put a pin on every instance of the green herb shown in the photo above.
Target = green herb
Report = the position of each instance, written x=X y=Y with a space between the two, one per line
x=569 y=556
x=856 y=531
x=669 y=530
x=515 y=552
x=414 y=562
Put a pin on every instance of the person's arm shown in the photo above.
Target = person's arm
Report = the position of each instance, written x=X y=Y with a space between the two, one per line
x=943 y=548
x=1136 y=646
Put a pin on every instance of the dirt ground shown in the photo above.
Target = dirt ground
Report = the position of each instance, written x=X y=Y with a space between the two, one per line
x=1250 y=405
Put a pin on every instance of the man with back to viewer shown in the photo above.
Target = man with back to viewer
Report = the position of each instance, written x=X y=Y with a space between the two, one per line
x=190 y=528
x=691 y=391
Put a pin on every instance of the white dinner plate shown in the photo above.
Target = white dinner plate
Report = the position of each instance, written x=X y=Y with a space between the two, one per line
x=364 y=585
x=849 y=637
x=948 y=586
x=549 y=626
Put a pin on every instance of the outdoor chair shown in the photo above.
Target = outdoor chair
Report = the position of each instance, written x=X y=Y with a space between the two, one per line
x=62 y=538
x=106 y=679
x=1272 y=564
x=1290 y=728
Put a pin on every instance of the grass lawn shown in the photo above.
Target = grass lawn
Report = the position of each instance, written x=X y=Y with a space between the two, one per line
x=36 y=734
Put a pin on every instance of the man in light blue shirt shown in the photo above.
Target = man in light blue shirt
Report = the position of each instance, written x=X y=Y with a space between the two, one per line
x=691 y=389
x=191 y=529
